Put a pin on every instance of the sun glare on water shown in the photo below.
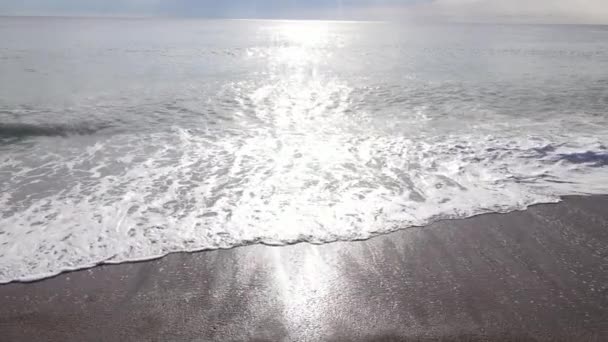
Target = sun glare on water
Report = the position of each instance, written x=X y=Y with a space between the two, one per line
x=301 y=42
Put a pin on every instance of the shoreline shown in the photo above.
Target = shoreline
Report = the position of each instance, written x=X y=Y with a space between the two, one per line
x=39 y=278
x=537 y=274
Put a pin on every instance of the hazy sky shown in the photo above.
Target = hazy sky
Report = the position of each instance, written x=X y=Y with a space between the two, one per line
x=569 y=11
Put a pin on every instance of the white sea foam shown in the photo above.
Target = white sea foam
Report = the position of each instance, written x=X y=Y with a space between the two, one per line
x=184 y=192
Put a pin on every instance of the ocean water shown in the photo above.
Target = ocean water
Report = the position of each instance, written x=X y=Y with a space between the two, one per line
x=130 y=139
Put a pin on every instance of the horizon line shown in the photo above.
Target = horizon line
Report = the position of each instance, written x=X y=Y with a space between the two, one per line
x=438 y=20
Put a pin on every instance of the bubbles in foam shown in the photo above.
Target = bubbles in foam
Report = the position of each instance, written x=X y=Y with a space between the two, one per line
x=182 y=190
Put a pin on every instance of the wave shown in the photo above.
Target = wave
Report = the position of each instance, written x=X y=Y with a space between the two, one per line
x=126 y=198
x=25 y=130
x=592 y=158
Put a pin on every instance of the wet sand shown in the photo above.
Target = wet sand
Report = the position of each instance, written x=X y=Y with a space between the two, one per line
x=537 y=275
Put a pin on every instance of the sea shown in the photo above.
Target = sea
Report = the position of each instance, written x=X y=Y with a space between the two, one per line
x=128 y=139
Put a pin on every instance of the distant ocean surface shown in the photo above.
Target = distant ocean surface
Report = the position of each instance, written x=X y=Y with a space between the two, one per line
x=130 y=139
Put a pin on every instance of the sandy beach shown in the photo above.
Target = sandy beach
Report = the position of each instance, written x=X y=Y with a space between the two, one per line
x=536 y=275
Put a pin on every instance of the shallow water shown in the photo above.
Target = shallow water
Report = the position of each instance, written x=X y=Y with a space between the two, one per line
x=129 y=139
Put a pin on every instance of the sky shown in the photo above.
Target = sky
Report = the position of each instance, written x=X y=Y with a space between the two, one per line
x=535 y=11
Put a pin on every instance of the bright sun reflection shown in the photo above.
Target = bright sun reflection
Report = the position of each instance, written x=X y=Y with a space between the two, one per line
x=301 y=42
x=305 y=33
x=302 y=284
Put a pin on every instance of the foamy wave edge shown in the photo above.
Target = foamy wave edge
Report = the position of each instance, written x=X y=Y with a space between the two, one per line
x=273 y=243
